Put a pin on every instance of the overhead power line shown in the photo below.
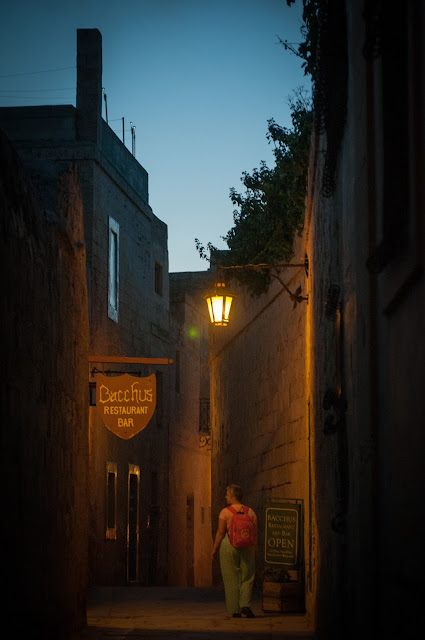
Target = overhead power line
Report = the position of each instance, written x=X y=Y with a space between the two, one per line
x=31 y=73
x=34 y=97
x=34 y=90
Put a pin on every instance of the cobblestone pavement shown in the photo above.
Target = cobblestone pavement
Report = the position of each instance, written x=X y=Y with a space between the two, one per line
x=128 y=613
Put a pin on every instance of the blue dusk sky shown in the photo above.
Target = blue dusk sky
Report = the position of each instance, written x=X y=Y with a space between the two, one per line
x=198 y=78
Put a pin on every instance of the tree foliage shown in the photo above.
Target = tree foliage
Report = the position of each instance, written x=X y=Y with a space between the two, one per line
x=270 y=212
x=307 y=49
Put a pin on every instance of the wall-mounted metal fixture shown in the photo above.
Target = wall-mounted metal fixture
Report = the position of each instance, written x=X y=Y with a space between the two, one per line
x=205 y=441
x=339 y=523
x=334 y=421
x=332 y=426
x=220 y=302
x=333 y=398
x=332 y=301
x=219 y=305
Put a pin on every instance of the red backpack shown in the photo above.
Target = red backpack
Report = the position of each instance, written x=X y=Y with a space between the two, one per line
x=241 y=529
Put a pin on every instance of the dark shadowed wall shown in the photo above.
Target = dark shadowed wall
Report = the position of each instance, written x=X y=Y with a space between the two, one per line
x=44 y=447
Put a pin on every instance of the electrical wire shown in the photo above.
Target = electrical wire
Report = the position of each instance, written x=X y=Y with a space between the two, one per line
x=35 y=97
x=31 y=73
x=31 y=90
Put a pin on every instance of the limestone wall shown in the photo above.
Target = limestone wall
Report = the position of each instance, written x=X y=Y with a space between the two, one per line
x=190 y=540
x=258 y=401
x=141 y=329
x=367 y=238
x=44 y=452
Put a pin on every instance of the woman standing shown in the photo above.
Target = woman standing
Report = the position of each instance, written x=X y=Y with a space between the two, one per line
x=237 y=564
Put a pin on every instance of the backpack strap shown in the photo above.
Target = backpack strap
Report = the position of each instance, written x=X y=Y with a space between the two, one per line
x=244 y=509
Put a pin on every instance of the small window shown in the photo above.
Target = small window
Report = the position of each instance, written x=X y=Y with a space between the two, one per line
x=158 y=278
x=111 y=501
x=204 y=415
x=113 y=269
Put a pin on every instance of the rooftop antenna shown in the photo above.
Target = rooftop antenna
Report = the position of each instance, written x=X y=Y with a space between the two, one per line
x=123 y=135
x=133 y=138
x=106 y=104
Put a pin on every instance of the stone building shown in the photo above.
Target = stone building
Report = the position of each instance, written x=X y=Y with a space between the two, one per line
x=189 y=441
x=332 y=407
x=129 y=316
x=366 y=245
x=259 y=406
x=44 y=408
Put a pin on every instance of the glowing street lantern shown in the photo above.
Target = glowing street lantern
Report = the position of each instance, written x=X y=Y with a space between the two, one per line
x=219 y=305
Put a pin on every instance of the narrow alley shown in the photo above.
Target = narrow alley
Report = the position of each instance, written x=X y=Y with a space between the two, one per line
x=138 y=402
x=188 y=613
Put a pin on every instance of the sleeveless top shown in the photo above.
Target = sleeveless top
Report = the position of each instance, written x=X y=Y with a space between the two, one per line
x=227 y=515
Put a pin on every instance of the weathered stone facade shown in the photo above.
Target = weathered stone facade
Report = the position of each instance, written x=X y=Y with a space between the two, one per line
x=367 y=344
x=324 y=402
x=189 y=547
x=113 y=187
x=319 y=404
x=44 y=450
x=126 y=270
x=258 y=401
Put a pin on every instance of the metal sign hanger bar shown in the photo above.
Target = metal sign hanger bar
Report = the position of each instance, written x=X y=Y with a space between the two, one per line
x=130 y=360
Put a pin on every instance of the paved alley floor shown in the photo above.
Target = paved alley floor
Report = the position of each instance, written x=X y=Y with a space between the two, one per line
x=120 y=613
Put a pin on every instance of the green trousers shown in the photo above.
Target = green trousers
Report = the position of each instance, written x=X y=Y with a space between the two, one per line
x=238 y=572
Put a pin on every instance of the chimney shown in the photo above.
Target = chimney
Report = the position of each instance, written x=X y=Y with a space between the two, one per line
x=89 y=85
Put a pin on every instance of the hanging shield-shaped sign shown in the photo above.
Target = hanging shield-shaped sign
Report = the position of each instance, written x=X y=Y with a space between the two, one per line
x=125 y=403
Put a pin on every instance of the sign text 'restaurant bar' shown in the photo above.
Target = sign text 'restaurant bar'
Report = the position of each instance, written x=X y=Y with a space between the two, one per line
x=125 y=403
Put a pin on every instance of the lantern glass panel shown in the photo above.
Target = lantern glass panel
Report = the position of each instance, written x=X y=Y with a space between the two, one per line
x=227 y=306
x=210 y=310
x=217 y=305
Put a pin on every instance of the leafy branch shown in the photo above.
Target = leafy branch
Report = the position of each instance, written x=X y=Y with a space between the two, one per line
x=270 y=212
x=307 y=49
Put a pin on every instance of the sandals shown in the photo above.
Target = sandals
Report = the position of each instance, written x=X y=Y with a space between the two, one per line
x=246 y=611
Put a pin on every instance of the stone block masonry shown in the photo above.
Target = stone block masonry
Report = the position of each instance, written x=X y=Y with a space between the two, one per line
x=44 y=453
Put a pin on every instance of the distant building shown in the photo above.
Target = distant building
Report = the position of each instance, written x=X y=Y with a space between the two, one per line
x=190 y=438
